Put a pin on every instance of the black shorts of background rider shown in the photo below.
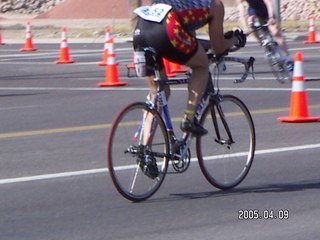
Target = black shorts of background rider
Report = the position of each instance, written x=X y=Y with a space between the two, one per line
x=260 y=10
x=168 y=38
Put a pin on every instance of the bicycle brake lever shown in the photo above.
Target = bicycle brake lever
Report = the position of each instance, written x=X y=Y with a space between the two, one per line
x=248 y=66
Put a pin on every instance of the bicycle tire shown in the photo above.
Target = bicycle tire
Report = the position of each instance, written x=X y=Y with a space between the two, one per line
x=123 y=162
x=226 y=165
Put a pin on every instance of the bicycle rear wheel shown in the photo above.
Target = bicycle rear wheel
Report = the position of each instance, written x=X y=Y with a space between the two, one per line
x=130 y=142
x=226 y=153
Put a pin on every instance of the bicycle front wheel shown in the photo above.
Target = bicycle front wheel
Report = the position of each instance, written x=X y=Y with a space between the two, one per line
x=277 y=64
x=130 y=144
x=226 y=153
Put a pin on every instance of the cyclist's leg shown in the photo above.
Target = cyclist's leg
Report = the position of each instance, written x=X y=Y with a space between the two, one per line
x=153 y=92
x=177 y=45
x=144 y=33
x=198 y=81
x=276 y=32
x=250 y=23
x=199 y=64
x=186 y=50
x=153 y=87
x=252 y=17
x=257 y=12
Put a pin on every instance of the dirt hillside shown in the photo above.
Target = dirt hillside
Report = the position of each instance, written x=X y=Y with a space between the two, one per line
x=85 y=9
x=119 y=9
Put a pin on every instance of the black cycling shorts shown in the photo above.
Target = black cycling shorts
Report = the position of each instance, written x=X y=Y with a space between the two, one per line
x=258 y=8
x=168 y=38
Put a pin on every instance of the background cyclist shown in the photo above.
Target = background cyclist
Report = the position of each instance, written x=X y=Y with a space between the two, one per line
x=264 y=10
x=174 y=38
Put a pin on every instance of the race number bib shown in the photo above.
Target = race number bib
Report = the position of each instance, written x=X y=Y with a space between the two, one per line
x=154 y=13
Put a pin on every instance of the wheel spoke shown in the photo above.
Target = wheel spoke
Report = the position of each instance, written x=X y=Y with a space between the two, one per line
x=134 y=179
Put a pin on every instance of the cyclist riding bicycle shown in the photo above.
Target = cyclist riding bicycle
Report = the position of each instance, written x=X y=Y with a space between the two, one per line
x=264 y=10
x=169 y=26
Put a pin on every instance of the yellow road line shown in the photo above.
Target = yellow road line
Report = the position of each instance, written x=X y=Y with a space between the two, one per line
x=54 y=130
x=105 y=126
x=275 y=110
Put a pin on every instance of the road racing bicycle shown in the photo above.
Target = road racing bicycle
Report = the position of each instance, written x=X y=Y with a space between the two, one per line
x=142 y=143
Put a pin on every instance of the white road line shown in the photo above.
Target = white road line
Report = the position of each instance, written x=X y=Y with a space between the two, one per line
x=52 y=176
x=104 y=170
x=47 y=52
x=138 y=88
x=9 y=58
x=18 y=107
x=12 y=62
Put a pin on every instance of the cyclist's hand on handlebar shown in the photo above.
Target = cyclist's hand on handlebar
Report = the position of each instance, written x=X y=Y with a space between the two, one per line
x=220 y=55
x=271 y=21
x=229 y=34
x=239 y=35
x=242 y=38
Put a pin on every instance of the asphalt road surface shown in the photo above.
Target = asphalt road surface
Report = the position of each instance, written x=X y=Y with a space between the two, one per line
x=53 y=178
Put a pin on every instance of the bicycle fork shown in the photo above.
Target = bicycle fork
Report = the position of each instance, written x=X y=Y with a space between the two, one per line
x=229 y=141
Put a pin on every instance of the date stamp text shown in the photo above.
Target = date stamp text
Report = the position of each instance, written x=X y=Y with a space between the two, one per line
x=267 y=214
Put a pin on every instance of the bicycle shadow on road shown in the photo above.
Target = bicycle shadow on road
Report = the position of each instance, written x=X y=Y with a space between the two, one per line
x=269 y=188
x=20 y=94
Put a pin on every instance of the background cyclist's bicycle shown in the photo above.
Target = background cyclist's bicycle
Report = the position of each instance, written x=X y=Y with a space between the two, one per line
x=281 y=69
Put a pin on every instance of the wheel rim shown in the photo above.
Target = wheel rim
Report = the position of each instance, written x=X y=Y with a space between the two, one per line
x=125 y=169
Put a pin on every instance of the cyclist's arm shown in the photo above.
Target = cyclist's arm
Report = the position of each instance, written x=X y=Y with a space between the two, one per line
x=270 y=8
x=243 y=14
x=206 y=44
x=219 y=43
x=272 y=21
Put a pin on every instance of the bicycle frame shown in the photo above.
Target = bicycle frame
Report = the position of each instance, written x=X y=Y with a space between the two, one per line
x=262 y=31
x=210 y=93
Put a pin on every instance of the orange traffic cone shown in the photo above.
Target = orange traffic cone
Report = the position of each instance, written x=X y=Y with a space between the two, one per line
x=112 y=75
x=1 y=42
x=176 y=68
x=167 y=67
x=105 y=50
x=312 y=31
x=64 y=49
x=131 y=66
x=28 y=46
x=299 y=98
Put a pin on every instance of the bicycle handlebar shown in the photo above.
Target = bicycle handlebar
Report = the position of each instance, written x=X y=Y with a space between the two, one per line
x=248 y=64
x=207 y=46
x=256 y=28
